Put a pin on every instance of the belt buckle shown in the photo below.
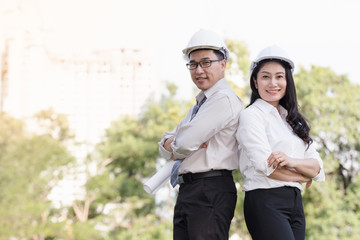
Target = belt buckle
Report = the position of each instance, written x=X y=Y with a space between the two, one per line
x=180 y=179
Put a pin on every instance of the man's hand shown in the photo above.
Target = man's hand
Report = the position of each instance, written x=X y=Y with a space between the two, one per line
x=167 y=144
x=204 y=145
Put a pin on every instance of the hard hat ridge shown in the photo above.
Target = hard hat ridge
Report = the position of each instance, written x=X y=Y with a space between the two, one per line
x=206 y=39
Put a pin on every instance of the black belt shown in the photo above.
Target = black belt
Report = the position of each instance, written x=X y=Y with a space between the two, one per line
x=190 y=177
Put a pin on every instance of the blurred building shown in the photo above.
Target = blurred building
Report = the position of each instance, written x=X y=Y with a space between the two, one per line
x=92 y=88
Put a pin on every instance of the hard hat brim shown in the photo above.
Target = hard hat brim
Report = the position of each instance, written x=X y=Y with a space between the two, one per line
x=277 y=57
x=187 y=51
x=254 y=64
x=272 y=52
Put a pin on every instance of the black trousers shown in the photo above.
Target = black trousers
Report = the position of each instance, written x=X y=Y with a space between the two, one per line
x=275 y=214
x=204 y=209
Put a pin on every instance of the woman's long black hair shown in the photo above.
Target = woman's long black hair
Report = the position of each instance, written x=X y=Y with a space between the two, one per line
x=289 y=101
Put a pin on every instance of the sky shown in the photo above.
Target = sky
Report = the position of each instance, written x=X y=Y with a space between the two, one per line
x=313 y=32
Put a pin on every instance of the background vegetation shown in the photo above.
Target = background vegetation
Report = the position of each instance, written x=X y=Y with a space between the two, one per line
x=115 y=206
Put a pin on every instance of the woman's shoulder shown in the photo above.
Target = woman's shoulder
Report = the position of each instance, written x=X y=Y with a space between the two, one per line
x=252 y=110
x=252 y=114
x=259 y=107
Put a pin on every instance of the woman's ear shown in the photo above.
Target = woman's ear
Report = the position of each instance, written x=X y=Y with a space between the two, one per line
x=255 y=83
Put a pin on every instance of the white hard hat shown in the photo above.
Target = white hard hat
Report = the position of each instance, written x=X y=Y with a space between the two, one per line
x=206 y=39
x=271 y=52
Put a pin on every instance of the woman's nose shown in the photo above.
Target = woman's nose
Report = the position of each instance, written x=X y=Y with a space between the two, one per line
x=273 y=81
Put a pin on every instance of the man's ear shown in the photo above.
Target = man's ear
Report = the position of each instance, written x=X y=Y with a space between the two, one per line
x=223 y=64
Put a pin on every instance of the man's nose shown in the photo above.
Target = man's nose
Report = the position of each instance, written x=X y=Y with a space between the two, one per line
x=199 y=69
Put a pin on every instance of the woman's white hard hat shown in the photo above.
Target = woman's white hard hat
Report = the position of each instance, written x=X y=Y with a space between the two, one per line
x=272 y=52
x=206 y=39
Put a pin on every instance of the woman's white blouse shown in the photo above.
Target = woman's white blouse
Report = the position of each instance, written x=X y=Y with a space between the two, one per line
x=263 y=130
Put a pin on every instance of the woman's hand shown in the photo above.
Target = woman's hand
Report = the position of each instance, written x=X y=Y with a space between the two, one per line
x=306 y=180
x=308 y=184
x=308 y=167
x=279 y=159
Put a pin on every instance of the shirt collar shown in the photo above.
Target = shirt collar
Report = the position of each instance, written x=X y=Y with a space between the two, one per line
x=267 y=108
x=218 y=85
x=200 y=96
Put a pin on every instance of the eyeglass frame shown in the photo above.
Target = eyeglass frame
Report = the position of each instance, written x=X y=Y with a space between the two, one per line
x=199 y=63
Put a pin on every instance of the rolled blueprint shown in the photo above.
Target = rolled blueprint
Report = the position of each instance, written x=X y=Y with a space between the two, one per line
x=159 y=178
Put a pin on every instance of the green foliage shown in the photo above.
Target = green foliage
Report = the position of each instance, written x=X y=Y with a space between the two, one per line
x=130 y=151
x=330 y=214
x=237 y=72
x=85 y=231
x=132 y=143
x=239 y=56
x=238 y=225
x=54 y=124
x=26 y=166
x=145 y=228
x=11 y=130
x=332 y=105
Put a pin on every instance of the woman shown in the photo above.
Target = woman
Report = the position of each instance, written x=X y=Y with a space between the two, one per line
x=276 y=151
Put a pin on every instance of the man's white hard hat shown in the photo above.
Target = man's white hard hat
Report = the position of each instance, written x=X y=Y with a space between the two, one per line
x=272 y=52
x=206 y=39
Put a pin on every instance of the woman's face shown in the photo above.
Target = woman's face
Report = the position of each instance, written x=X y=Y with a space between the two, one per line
x=271 y=82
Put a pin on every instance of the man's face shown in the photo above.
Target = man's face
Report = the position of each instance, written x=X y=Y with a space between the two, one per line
x=205 y=78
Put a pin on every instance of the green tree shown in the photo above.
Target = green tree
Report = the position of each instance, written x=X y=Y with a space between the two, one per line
x=237 y=69
x=239 y=58
x=332 y=104
x=128 y=155
x=12 y=131
x=27 y=164
x=53 y=124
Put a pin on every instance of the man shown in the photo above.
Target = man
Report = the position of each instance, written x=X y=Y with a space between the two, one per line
x=205 y=146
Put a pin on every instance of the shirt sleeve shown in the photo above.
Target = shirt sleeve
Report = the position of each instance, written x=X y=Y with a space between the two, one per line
x=252 y=137
x=163 y=152
x=312 y=153
x=212 y=117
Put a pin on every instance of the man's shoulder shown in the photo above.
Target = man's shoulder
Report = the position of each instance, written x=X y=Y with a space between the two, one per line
x=230 y=95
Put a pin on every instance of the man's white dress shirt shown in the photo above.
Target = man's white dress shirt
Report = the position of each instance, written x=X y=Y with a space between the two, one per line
x=214 y=124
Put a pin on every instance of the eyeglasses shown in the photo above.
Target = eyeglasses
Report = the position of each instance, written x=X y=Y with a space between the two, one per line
x=203 y=64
